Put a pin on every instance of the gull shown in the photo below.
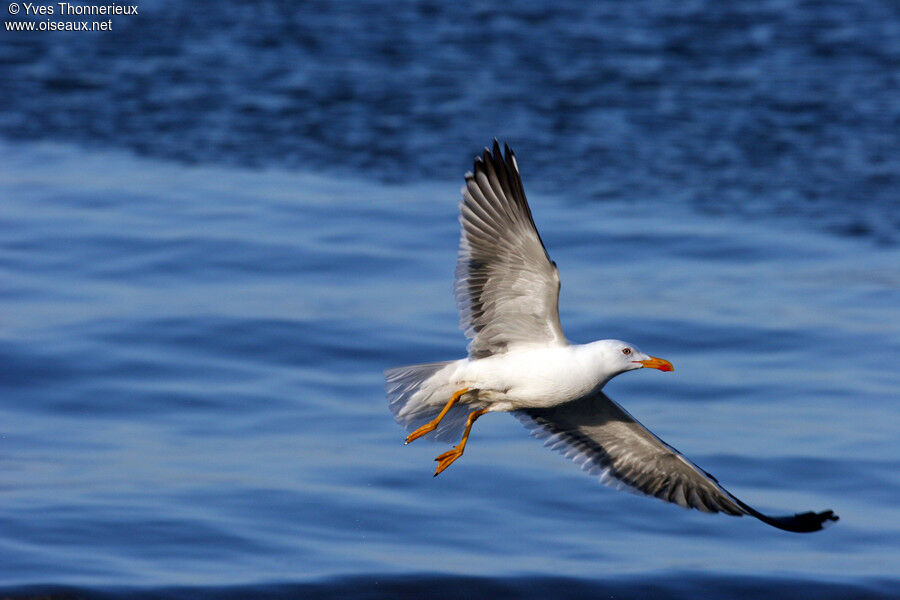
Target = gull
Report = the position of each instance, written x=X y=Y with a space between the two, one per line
x=519 y=361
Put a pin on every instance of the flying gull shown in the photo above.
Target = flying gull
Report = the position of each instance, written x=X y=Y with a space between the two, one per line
x=507 y=292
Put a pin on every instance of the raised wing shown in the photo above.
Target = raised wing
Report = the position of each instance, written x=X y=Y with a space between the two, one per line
x=507 y=288
x=600 y=435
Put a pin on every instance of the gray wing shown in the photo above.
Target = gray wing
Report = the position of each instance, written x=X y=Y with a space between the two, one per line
x=507 y=288
x=600 y=435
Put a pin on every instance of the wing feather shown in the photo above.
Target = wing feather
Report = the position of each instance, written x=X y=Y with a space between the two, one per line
x=507 y=288
x=605 y=440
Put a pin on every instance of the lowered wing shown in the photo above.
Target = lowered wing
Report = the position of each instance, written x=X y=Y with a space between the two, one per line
x=607 y=441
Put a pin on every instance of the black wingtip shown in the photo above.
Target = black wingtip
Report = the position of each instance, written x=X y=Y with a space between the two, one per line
x=494 y=153
x=486 y=157
x=800 y=523
x=807 y=522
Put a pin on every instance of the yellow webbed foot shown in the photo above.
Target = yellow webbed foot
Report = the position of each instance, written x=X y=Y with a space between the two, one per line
x=446 y=459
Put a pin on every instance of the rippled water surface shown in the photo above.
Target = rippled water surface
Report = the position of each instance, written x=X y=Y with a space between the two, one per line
x=215 y=236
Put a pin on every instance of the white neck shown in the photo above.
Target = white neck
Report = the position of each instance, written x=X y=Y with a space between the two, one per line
x=601 y=359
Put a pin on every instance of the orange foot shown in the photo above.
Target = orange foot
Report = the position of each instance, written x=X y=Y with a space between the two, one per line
x=446 y=459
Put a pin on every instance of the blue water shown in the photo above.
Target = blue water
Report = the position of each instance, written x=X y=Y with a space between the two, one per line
x=221 y=221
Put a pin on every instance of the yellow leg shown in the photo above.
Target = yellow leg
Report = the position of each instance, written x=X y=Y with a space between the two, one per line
x=447 y=458
x=432 y=424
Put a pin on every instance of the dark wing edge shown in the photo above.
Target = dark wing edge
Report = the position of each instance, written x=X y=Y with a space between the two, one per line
x=605 y=440
x=507 y=287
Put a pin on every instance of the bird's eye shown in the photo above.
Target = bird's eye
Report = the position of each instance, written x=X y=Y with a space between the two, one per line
x=626 y=351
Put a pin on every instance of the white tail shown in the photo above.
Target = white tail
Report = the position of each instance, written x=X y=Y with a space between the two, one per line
x=417 y=393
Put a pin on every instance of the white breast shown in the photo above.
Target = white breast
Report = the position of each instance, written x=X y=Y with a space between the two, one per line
x=533 y=378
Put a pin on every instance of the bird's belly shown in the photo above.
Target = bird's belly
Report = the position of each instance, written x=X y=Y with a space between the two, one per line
x=529 y=380
x=538 y=393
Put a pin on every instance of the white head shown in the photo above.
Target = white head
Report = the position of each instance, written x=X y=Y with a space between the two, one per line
x=618 y=356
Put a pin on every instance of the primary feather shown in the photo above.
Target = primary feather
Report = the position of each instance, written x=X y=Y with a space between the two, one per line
x=507 y=288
